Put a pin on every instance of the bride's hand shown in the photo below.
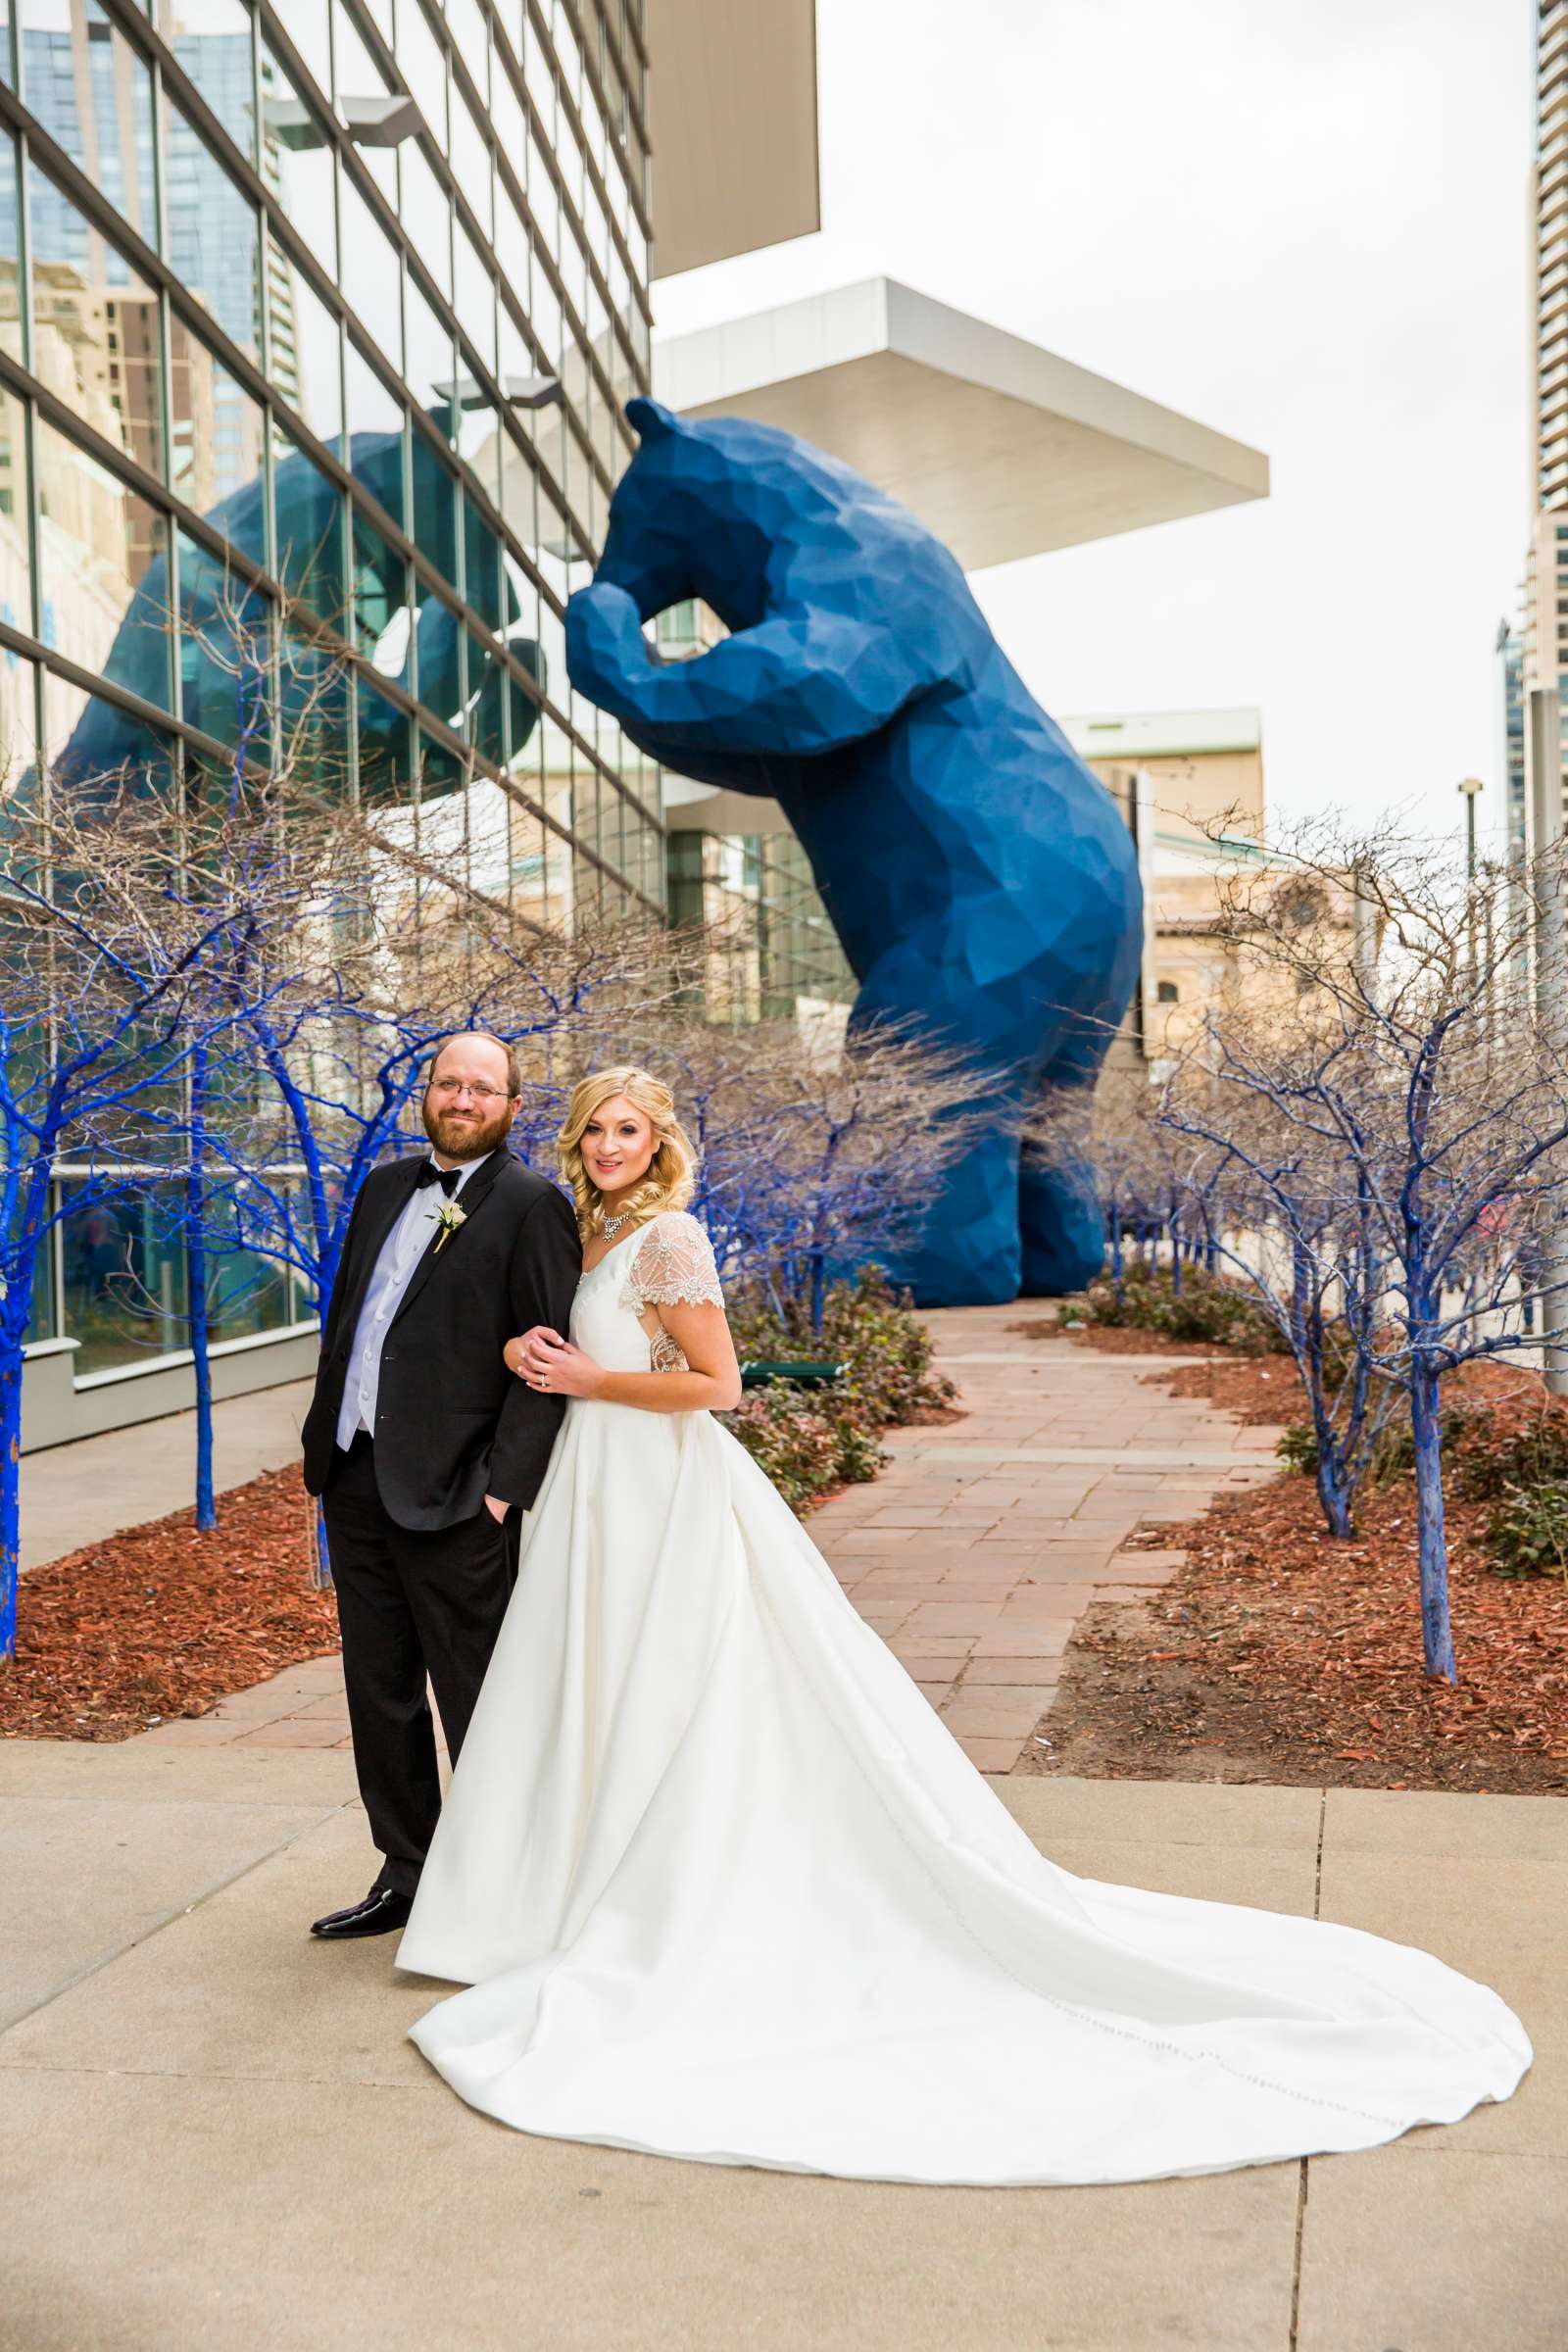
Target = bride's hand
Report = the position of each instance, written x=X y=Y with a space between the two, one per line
x=555 y=1367
x=515 y=1353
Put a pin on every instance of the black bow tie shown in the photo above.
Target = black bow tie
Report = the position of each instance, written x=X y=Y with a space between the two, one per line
x=429 y=1173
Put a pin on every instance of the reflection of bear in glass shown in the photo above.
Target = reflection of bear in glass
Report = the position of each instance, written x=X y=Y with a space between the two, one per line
x=222 y=624
x=978 y=875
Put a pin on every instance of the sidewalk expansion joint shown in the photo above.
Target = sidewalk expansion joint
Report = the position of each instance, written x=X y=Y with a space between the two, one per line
x=157 y=1926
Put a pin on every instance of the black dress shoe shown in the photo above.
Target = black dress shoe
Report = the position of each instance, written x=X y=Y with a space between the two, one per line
x=382 y=1912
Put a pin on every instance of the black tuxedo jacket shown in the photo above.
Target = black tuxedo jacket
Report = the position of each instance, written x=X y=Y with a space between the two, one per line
x=452 y=1424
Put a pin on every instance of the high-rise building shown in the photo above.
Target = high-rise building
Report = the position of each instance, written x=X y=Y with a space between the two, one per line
x=1543 y=646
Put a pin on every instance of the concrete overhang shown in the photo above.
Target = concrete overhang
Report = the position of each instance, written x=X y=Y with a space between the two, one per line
x=1003 y=447
x=732 y=125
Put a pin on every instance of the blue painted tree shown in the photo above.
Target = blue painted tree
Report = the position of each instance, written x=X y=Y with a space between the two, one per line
x=104 y=1001
x=981 y=880
x=818 y=1154
x=1399 y=1114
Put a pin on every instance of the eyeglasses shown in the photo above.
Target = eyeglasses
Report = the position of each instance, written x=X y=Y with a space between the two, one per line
x=450 y=1088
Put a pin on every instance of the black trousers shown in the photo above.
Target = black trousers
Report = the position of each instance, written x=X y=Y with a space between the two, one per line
x=411 y=1605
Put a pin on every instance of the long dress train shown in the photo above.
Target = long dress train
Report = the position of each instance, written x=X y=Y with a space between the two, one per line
x=722 y=1887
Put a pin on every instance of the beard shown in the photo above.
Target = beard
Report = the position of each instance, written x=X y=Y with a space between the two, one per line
x=466 y=1139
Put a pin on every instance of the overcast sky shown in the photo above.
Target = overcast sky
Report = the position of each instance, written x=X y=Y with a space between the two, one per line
x=1303 y=225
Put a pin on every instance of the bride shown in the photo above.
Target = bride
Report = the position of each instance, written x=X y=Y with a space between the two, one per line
x=722 y=1887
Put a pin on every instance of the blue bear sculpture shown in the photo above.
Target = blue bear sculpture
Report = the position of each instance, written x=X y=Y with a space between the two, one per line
x=980 y=878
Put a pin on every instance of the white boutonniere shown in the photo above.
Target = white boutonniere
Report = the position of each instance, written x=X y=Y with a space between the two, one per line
x=449 y=1217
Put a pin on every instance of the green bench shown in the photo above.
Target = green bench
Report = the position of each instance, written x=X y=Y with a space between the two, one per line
x=801 y=1372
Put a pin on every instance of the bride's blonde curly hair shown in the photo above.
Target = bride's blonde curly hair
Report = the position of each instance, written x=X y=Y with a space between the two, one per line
x=671 y=1172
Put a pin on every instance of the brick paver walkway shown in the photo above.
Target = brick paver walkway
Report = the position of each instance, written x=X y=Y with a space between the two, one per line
x=973 y=1555
x=978 y=1550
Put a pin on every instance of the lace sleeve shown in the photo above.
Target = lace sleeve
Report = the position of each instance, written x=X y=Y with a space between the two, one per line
x=672 y=1265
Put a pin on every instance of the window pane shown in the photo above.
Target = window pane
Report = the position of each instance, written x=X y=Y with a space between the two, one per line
x=16 y=584
x=300 y=165
x=475 y=303
x=381 y=617
x=95 y=326
x=93 y=95
x=214 y=240
x=306 y=356
x=87 y=739
x=18 y=718
x=467 y=28
x=359 y=77
x=224 y=645
x=470 y=162
x=310 y=536
x=306 y=24
x=124 y=1278
x=369 y=275
x=213 y=45
x=438 y=660
x=217 y=433
x=314 y=704
x=384 y=745
x=103 y=574
x=426 y=216
x=9 y=251
x=481 y=565
x=425 y=67
x=375 y=433
x=431 y=371
x=435 y=509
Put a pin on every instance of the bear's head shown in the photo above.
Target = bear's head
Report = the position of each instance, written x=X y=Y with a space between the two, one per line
x=719 y=508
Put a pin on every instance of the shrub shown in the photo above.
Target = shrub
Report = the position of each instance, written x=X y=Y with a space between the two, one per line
x=1393 y=1448
x=795 y=1443
x=1208 y=1309
x=811 y=1439
x=1527 y=1533
x=866 y=1325
x=1494 y=1460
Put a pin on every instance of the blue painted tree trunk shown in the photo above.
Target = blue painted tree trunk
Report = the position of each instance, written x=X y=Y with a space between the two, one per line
x=196 y=1293
x=10 y=1488
x=1426 y=1431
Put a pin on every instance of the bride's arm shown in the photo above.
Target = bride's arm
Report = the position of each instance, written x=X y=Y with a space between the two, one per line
x=712 y=1385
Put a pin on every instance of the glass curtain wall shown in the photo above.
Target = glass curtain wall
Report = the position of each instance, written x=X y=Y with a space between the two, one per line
x=327 y=308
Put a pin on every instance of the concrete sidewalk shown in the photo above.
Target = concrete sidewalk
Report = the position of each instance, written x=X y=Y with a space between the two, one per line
x=214 y=2135
x=78 y=1494
x=213 y=2132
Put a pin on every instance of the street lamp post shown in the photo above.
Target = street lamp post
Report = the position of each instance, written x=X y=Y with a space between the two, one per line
x=1472 y=788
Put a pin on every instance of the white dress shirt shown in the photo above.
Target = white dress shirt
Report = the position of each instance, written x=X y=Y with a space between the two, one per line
x=399 y=1254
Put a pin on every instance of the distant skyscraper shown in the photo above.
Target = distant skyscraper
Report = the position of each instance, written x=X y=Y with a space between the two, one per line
x=1544 y=650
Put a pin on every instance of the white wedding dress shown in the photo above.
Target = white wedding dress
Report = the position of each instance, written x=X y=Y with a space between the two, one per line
x=722 y=1887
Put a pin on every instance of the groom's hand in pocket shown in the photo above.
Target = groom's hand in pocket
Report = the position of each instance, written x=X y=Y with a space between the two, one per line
x=496 y=1507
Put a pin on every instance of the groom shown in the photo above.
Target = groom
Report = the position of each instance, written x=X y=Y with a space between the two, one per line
x=419 y=1441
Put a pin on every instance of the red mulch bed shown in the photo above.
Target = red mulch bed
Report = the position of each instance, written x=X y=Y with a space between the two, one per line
x=164 y=1621
x=1278 y=1654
